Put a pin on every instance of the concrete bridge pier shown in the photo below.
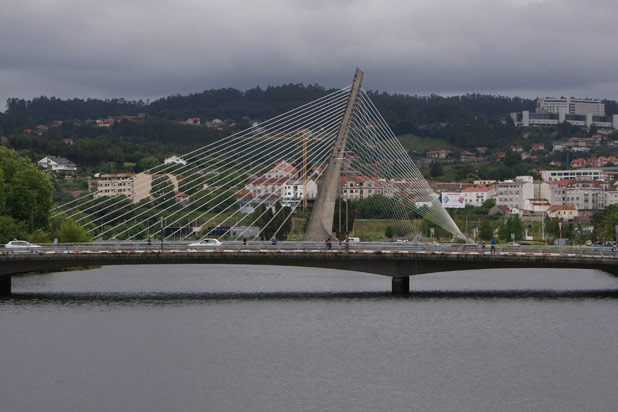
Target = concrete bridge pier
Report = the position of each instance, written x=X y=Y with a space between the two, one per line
x=401 y=285
x=5 y=285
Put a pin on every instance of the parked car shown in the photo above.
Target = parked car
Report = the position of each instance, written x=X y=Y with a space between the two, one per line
x=21 y=245
x=206 y=243
x=512 y=244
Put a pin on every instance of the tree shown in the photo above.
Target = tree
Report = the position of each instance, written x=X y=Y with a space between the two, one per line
x=162 y=191
x=486 y=231
x=71 y=232
x=605 y=222
x=26 y=191
x=11 y=229
x=512 y=225
x=389 y=232
x=147 y=162
x=435 y=169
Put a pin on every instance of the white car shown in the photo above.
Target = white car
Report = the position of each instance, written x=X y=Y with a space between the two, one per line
x=16 y=245
x=513 y=244
x=206 y=243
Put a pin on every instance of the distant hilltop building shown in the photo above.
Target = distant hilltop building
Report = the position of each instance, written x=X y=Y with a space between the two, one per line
x=580 y=112
x=570 y=105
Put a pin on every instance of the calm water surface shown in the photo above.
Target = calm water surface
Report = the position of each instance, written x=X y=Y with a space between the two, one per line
x=223 y=338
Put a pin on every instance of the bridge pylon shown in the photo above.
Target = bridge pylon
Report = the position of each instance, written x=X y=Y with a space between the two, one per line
x=321 y=220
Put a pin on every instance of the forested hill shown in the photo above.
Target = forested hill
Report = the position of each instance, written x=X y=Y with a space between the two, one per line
x=258 y=103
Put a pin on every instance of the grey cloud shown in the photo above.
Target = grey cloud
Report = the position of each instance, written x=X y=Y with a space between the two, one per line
x=148 y=49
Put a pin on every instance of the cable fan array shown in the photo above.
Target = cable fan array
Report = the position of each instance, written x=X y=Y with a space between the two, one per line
x=253 y=179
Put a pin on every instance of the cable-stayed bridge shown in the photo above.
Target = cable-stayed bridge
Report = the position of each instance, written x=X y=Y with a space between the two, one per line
x=252 y=184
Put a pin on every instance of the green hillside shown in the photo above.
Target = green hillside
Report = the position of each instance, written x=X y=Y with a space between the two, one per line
x=413 y=143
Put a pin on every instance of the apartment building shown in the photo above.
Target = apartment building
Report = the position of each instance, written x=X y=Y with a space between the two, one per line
x=135 y=186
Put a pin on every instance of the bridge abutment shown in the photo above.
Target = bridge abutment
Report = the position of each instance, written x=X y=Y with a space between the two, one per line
x=401 y=285
x=5 y=285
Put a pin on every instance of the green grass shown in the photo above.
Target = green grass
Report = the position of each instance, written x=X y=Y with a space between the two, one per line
x=413 y=143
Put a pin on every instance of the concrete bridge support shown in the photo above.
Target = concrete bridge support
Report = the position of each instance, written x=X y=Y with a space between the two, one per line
x=320 y=225
x=5 y=285
x=401 y=285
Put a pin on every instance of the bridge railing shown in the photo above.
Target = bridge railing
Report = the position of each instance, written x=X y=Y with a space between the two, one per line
x=154 y=246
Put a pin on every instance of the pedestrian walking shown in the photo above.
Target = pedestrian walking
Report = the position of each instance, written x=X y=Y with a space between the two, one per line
x=493 y=245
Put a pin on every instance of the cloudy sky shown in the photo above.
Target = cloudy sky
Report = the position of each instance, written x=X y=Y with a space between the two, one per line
x=154 y=48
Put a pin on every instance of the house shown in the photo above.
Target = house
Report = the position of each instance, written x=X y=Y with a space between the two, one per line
x=466 y=156
x=192 y=121
x=175 y=160
x=537 y=146
x=181 y=197
x=565 y=212
x=57 y=164
x=439 y=154
x=282 y=169
x=105 y=122
x=537 y=205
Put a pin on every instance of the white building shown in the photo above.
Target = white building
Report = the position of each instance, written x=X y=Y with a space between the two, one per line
x=175 y=160
x=476 y=196
x=587 y=174
x=262 y=187
x=570 y=105
x=282 y=169
x=293 y=191
x=580 y=112
x=57 y=164
x=513 y=193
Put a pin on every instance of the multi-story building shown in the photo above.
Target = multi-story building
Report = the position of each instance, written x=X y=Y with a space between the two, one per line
x=135 y=186
x=570 y=105
x=513 y=193
x=360 y=187
x=585 y=195
x=294 y=191
x=580 y=112
x=282 y=169
x=261 y=187
x=588 y=174
x=477 y=195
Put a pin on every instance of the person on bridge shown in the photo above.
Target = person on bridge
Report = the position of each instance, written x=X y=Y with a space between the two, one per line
x=493 y=245
x=329 y=244
x=274 y=240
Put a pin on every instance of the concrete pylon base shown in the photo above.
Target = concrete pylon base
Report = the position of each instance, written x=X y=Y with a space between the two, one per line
x=5 y=285
x=401 y=286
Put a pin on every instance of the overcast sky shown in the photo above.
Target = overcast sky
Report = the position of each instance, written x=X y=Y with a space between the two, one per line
x=155 y=48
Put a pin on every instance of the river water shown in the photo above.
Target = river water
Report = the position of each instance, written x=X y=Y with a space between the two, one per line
x=234 y=338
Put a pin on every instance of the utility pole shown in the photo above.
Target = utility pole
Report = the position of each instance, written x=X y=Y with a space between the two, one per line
x=347 y=219
x=162 y=233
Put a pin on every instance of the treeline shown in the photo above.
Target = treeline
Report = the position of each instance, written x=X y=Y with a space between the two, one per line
x=125 y=141
x=403 y=112
x=463 y=121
